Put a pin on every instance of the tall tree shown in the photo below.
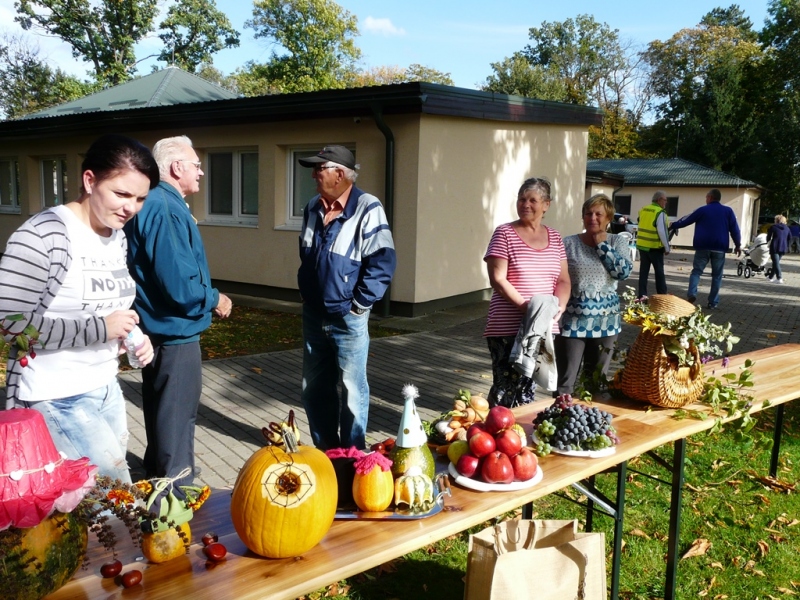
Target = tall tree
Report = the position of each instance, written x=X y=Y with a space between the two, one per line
x=30 y=85
x=104 y=35
x=193 y=30
x=318 y=39
x=517 y=76
x=704 y=81
x=384 y=75
x=581 y=50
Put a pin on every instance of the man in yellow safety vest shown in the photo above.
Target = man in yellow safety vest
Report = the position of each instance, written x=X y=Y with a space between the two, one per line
x=652 y=241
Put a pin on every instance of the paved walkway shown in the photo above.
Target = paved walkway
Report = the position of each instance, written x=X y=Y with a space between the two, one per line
x=446 y=352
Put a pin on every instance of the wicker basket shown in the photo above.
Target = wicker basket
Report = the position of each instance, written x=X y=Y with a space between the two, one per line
x=652 y=376
x=668 y=304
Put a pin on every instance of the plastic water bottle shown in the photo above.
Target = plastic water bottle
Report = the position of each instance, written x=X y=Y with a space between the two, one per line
x=133 y=342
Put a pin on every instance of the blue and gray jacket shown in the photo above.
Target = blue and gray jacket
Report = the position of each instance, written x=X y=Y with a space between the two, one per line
x=351 y=261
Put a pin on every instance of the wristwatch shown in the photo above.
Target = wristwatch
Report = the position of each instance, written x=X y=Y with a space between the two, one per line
x=358 y=310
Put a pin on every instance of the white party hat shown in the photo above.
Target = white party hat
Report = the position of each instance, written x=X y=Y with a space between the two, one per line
x=411 y=434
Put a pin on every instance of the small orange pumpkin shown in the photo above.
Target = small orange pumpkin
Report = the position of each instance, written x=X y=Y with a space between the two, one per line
x=283 y=503
x=162 y=546
x=373 y=484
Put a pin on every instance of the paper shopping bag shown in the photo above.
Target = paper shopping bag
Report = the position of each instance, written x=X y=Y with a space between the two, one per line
x=536 y=560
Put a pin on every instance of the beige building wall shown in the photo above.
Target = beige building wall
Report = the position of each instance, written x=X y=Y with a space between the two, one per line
x=469 y=175
x=456 y=179
x=741 y=200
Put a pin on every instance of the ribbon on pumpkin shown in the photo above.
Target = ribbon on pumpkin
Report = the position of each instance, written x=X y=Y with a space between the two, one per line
x=171 y=511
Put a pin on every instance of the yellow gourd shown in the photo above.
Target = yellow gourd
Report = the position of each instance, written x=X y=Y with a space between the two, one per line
x=373 y=484
x=162 y=546
x=414 y=490
x=283 y=503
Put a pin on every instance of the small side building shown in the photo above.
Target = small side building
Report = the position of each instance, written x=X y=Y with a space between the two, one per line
x=632 y=183
x=446 y=162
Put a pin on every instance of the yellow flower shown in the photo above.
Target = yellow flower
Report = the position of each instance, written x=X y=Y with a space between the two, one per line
x=120 y=496
x=195 y=505
x=145 y=486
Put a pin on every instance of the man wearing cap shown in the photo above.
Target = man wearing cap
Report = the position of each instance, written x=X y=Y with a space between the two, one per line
x=347 y=260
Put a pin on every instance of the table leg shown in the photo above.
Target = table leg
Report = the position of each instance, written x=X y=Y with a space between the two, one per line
x=673 y=544
x=527 y=510
x=590 y=507
x=776 y=441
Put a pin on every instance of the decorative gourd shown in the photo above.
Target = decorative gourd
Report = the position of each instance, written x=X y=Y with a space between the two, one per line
x=283 y=503
x=415 y=490
x=373 y=484
x=39 y=560
x=411 y=448
x=162 y=546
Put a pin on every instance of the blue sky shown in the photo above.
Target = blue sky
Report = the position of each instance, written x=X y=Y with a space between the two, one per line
x=460 y=38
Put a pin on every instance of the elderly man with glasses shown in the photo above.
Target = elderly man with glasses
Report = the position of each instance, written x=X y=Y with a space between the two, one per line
x=347 y=260
x=175 y=301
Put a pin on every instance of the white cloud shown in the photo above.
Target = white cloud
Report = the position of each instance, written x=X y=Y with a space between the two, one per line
x=382 y=27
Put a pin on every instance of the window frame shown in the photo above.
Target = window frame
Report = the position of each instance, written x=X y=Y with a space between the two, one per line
x=617 y=207
x=672 y=205
x=13 y=167
x=62 y=180
x=237 y=217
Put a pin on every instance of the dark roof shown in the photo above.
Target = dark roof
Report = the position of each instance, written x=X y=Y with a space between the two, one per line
x=167 y=87
x=665 y=172
x=405 y=98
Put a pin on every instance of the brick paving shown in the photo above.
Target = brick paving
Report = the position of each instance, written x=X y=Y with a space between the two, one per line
x=446 y=352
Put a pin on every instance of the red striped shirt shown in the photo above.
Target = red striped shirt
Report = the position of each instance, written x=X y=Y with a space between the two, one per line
x=530 y=271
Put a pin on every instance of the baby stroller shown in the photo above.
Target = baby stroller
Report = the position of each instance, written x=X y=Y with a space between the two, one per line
x=755 y=257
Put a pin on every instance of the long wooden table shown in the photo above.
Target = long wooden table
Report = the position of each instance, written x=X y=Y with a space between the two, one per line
x=353 y=546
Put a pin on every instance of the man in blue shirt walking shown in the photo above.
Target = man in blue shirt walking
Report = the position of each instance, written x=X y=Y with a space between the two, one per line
x=713 y=224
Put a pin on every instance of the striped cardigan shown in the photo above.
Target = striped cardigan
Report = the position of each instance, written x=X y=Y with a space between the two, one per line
x=34 y=266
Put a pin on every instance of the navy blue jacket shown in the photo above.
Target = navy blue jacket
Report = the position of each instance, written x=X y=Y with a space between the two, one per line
x=166 y=259
x=351 y=261
x=779 y=236
x=714 y=222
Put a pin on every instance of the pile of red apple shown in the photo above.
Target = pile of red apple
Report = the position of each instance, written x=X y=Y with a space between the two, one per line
x=497 y=452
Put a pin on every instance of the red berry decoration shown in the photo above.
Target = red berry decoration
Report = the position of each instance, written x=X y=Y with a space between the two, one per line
x=111 y=569
x=215 y=551
x=32 y=354
x=23 y=361
x=132 y=578
x=210 y=538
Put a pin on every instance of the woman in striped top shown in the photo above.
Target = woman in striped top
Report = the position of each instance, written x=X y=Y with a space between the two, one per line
x=524 y=258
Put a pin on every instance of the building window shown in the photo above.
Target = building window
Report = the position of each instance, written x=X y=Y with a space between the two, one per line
x=622 y=205
x=302 y=187
x=54 y=181
x=9 y=185
x=233 y=186
x=672 y=206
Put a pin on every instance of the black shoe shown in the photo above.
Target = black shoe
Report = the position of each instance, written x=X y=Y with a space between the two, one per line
x=711 y=307
x=691 y=299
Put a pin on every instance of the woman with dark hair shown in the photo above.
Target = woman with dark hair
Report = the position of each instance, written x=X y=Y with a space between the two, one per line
x=592 y=321
x=525 y=258
x=64 y=271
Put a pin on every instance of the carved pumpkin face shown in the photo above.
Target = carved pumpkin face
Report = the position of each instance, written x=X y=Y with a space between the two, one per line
x=284 y=503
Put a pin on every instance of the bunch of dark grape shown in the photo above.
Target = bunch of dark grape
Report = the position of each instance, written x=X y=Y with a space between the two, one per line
x=568 y=426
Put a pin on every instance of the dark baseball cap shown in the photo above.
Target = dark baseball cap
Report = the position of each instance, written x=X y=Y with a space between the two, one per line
x=338 y=154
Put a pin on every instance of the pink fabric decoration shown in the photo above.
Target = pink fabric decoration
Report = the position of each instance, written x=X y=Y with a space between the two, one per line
x=366 y=463
x=35 y=480
x=351 y=452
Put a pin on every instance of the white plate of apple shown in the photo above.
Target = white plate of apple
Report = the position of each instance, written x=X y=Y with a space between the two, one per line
x=495 y=456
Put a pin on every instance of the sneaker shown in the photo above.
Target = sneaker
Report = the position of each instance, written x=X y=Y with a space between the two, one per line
x=691 y=299
x=711 y=307
x=779 y=281
x=772 y=279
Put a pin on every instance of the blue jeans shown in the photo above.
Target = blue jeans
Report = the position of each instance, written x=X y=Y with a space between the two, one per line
x=701 y=258
x=336 y=348
x=776 y=265
x=93 y=424
x=655 y=257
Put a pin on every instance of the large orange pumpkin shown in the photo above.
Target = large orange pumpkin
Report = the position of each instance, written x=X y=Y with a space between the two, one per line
x=283 y=503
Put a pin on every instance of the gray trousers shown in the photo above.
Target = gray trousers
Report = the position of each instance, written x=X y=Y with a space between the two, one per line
x=570 y=351
x=171 y=387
